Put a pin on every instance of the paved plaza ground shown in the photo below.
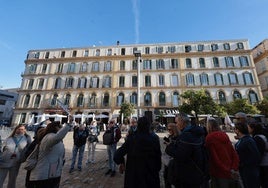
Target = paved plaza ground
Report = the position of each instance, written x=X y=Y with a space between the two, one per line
x=92 y=175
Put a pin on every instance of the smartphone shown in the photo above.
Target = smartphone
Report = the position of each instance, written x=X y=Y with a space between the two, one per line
x=166 y=139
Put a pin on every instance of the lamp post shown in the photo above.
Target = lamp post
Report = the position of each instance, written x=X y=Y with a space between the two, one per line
x=137 y=54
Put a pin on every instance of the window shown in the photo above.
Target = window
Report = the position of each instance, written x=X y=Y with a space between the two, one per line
x=172 y=49
x=204 y=79
x=23 y=118
x=74 y=53
x=40 y=83
x=147 y=64
x=37 y=101
x=69 y=82
x=32 y=68
x=105 y=101
x=188 y=48
x=147 y=50
x=226 y=46
x=123 y=51
x=214 y=47
x=62 y=55
x=216 y=62
x=82 y=82
x=174 y=80
x=60 y=68
x=218 y=79
x=122 y=65
x=161 y=80
x=200 y=47
x=109 y=52
x=47 y=55
x=134 y=50
x=98 y=52
x=134 y=65
x=26 y=100
x=67 y=100
x=202 y=63
x=134 y=81
x=237 y=95
x=95 y=67
x=175 y=99
x=233 y=79
x=54 y=99
x=86 y=53
x=93 y=100
x=57 y=83
x=148 y=81
x=188 y=63
x=253 y=98
x=94 y=82
x=229 y=61
x=83 y=67
x=37 y=55
x=190 y=79
x=248 y=79
x=121 y=81
x=80 y=100
x=120 y=99
x=222 y=98
x=44 y=68
x=30 y=84
x=71 y=68
x=148 y=99
x=159 y=49
x=162 y=99
x=134 y=98
x=106 y=82
x=108 y=66
x=174 y=63
x=240 y=46
x=160 y=64
x=243 y=61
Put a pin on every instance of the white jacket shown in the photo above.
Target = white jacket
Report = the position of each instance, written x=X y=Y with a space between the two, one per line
x=51 y=156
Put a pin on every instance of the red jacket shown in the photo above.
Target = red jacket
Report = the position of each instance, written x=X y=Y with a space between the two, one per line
x=222 y=155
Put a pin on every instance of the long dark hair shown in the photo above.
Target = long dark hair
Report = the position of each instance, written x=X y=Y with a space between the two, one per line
x=15 y=129
x=52 y=127
x=143 y=125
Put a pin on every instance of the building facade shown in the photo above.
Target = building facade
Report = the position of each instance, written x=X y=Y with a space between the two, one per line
x=99 y=79
x=260 y=56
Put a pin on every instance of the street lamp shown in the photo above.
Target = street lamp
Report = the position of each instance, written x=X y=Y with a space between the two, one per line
x=137 y=54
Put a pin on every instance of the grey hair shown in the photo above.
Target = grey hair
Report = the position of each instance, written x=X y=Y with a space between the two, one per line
x=184 y=117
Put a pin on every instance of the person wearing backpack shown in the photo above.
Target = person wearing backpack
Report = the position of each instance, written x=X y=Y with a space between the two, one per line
x=113 y=135
x=191 y=163
x=259 y=135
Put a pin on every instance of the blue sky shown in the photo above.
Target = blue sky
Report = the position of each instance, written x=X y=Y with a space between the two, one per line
x=35 y=24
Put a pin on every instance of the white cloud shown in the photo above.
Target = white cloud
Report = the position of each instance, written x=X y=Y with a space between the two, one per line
x=135 y=4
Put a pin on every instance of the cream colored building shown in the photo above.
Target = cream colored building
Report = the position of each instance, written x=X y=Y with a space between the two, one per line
x=98 y=79
x=260 y=56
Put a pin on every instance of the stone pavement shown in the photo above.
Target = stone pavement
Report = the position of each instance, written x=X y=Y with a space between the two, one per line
x=92 y=175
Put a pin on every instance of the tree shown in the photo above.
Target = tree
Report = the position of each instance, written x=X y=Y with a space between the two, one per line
x=126 y=109
x=241 y=105
x=199 y=102
x=263 y=106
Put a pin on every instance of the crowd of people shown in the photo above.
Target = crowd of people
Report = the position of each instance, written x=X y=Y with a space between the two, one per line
x=194 y=156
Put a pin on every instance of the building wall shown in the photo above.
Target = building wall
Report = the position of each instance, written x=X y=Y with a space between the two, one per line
x=7 y=104
x=72 y=60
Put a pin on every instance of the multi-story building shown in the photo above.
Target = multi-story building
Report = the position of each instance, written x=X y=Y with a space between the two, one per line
x=99 y=79
x=8 y=99
x=260 y=56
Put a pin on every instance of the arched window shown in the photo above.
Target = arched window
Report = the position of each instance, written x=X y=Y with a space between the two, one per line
x=94 y=82
x=108 y=66
x=80 y=100
x=148 y=99
x=122 y=65
x=175 y=99
x=69 y=82
x=162 y=99
x=202 y=63
x=41 y=83
x=95 y=67
x=120 y=99
x=248 y=78
x=133 y=98
x=106 y=99
x=54 y=99
x=57 y=83
x=204 y=79
x=26 y=100
x=253 y=98
x=222 y=98
x=188 y=63
x=67 y=100
x=233 y=79
x=82 y=82
x=218 y=79
x=216 y=62
x=229 y=61
x=190 y=79
x=237 y=95
x=93 y=100
x=37 y=100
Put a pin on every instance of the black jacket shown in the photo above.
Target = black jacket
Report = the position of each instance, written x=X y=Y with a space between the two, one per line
x=80 y=137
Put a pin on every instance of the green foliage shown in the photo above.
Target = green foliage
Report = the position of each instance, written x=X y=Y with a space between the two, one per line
x=126 y=109
x=241 y=105
x=263 y=106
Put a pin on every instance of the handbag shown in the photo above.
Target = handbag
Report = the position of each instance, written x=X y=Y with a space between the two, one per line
x=32 y=159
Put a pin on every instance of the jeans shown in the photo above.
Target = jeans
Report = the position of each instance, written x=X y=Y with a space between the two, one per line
x=111 y=151
x=91 y=151
x=81 y=150
x=12 y=176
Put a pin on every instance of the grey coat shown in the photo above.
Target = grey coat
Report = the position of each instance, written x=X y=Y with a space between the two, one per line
x=51 y=156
